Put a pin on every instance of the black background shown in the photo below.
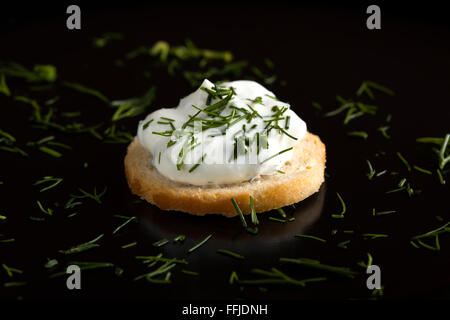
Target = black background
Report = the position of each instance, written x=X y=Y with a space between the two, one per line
x=320 y=51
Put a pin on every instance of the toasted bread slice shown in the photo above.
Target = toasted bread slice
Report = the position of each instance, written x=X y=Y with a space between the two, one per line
x=304 y=174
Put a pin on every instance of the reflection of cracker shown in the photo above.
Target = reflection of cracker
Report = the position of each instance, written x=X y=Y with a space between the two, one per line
x=304 y=174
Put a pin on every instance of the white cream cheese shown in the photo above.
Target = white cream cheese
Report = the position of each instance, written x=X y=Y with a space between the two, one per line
x=242 y=133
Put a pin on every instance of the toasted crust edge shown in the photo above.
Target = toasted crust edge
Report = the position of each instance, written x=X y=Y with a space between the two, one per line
x=269 y=192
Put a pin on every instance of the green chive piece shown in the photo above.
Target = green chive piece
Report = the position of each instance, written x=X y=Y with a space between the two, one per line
x=344 y=208
x=361 y=134
x=238 y=210
x=230 y=253
x=277 y=154
x=83 y=247
x=423 y=170
x=160 y=243
x=399 y=155
x=124 y=224
x=255 y=220
x=310 y=237
x=199 y=244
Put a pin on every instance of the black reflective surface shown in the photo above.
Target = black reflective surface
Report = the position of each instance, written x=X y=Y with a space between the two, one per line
x=318 y=52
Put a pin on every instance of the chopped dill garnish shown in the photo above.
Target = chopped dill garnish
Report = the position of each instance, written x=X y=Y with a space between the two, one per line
x=402 y=159
x=124 y=224
x=199 y=244
x=422 y=170
x=189 y=272
x=254 y=217
x=277 y=219
x=371 y=170
x=145 y=126
x=374 y=235
x=80 y=88
x=195 y=166
x=381 y=213
x=3 y=86
x=230 y=253
x=160 y=243
x=361 y=134
x=83 y=247
x=277 y=154
x=48 y=211
x=310 y=237
x=238 y=210
x=441 y=178
x=129 y=245
x=384 y=130
x=179 y=238
x=366 y=87
x=94 y=196
x=347 y=272
x=132 y=107
x=275 y=276
x=344 y=207
x=53 y=182
x=50 y=151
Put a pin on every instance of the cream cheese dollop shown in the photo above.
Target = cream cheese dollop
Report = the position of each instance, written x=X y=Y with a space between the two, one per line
x=222 y=134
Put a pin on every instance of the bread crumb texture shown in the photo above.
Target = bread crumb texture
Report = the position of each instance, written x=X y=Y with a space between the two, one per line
x=304 y=174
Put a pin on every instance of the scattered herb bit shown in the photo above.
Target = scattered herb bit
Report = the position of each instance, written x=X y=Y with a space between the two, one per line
x=371 y=170
x=51 y=264
x=7 y=240
x=94 y=196
x=310 y=237
x=366 y=87
x=316 y=105
x=50 y=151
x=134 y=106
x=238 y=210
x=369 y=261
x=374 y=235
x=199 y=244
x=48 y=179
x=384 y=132
x=160 y=243
x=189 y=272
x=48 y=211
x=83 y=247
x=145 y=126
x=399 y=155
x=160 y=258
x=347 y=272
x=80 y=88
x=277 y=219
x=14 y=284
x=3 y=86
x=441 y=178
x=344 y=208
x=423 y=170
x=84 y=266
x=343 y=244
x=361 y=134
x=132 y=244
x=275 y=276
x=230 y=253
x=10 y=270
x=277 y=154
x=233 y=277
x=124 y=224
x=254 y=217
x=381 y=213
x=40 y=73
x=107 y=37
x=179 y=238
